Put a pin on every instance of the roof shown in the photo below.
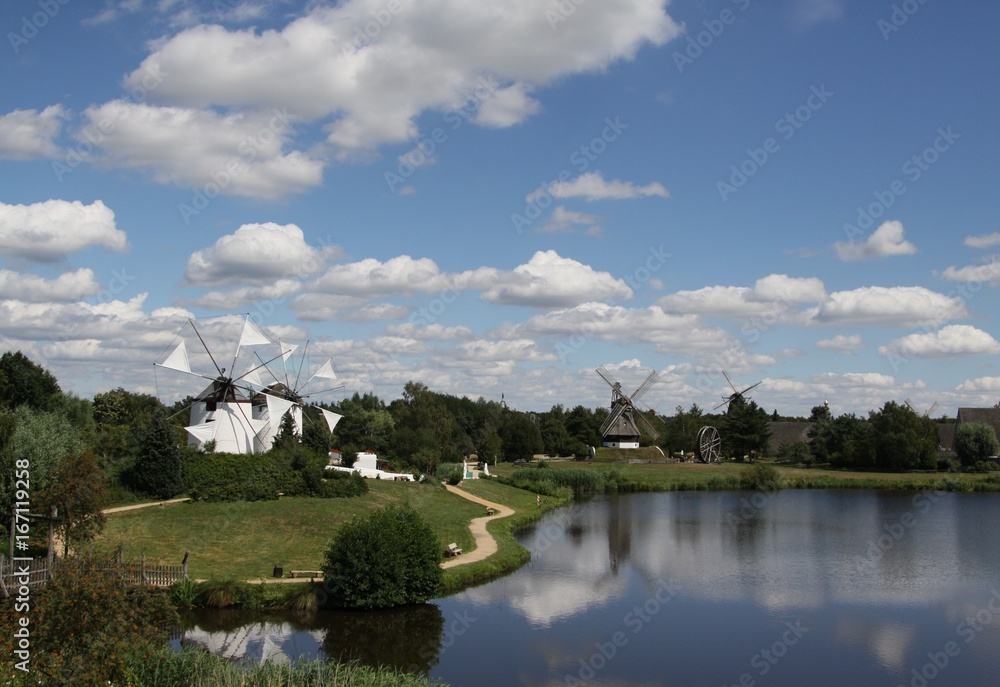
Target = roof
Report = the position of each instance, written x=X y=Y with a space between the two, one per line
x=988 y=416
x=624 y=426
x=783 y=433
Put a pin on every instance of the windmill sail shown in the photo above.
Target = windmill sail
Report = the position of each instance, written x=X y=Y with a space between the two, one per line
x=287 y=349
x=325 y=372
x=178 y=359
x=331 y=418
x=203 y=432
x=252 y=335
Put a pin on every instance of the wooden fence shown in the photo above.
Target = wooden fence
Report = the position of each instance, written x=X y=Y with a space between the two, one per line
x=17 y=573
x=39 y=572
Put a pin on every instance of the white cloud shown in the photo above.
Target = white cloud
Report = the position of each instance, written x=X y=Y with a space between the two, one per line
x=70 y=286
x=951 y=341
x=546 y=281
x=322 y=307
x=900 y=306
x=236 y=154
x=807 y=13
x=987 y=273
x=429 y=56
x=257 y=253
x=593 y=186
x=434 y=331
x=377 y=311
x=236 y=298
x=842 y=342
x=27 y=134
x=370 y=277
x=885 y=241
x=773 y=294
x=563 y=221
x=50 y=230
x=499 y=351
x=980 y=384
x=983 y=241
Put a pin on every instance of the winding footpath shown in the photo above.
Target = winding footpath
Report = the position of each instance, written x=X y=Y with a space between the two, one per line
x=486 y=545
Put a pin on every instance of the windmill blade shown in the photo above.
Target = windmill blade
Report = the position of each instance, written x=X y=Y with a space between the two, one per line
x=613 y=417
x=752 y=386
x=730 y=382
x=931 y=409
x=909 y=404
x=646 y=424
x=724 y=403
x=607 y=376
x=647 y=384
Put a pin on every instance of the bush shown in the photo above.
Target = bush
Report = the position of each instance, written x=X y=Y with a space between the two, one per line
x=89 y=624
x=761 y=477
x=233 y=477
x=389 y=558
x=975 y=442
x=795 y=453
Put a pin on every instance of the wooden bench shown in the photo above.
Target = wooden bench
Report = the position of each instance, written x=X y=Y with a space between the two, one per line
x=489 y=510
x=452 y=550
x=306 y=573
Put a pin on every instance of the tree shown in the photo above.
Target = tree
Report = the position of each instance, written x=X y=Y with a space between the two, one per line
x=157 y=470
x=520 y=436
x=389 y=558
x=681 y=432
x=746 y=428
x=286 y=435
x=975 y=441
x=902 y=439
x=79 y=494
x=844 y=442
x=23 y=382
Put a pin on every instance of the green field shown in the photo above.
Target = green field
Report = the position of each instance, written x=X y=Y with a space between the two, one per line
x=246 y=540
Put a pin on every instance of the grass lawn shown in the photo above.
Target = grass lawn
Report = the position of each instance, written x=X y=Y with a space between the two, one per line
x=246 y=540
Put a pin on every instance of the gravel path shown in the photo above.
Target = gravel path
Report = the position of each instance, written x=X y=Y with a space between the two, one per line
x=486 y=545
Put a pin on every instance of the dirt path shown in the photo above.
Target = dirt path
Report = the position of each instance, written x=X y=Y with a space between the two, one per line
x=121 y=509
x=486 y=545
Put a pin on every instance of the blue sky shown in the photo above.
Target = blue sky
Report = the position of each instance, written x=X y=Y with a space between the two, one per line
x=498 y=197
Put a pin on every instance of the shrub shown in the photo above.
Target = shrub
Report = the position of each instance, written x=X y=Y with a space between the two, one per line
x=975 y=442
x=89 y=624
x=795 y=453
x=389 y=558
x=760 y=477
x=233 y=477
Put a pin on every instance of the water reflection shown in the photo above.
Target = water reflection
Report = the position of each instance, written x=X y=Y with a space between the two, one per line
x=704 y=589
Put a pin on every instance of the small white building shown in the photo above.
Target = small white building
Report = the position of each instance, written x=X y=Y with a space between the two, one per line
x=367 y=465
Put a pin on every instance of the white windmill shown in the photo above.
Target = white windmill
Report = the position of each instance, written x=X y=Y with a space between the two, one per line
x=241 y=413
x=620 y=429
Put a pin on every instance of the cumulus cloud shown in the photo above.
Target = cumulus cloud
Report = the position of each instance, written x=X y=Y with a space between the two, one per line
x=900 y=306
x=28 y=134
x=236 y=298
x=31 y=288
x=548 y=280
x=980 y=384
x=983 y=241
x=505 y=350
x=429 y=56
x=256 y=254
x=563 y=221
x=951 y=341
x=843 y=342
x=371 y=277
x=592 y=186
x=986 y=273
x=773 y=294
x=434 y=331
x=51 y=230
x=239 y=154
x=885 y=241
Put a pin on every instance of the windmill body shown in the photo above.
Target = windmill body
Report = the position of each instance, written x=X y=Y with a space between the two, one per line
x=620 y=429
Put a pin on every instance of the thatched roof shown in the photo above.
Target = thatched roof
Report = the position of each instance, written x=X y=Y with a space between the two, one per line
x=783 y=433
x=988 y=416
x=946 y=435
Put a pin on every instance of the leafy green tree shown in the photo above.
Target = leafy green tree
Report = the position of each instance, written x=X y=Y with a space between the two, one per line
x=367 y=423
x=158 y=468
x=555 y=438
x=520 y=436
x=43 y=439
x=423 y=421
x=489 y=446
x=681 y=433
x=388 y=558
x=286 y=435
x=902 y=439
x=23 y=382
x=975 y=441
x=316 y=434
x=584 y=425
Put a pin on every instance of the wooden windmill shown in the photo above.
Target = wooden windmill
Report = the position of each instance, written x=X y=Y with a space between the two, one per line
x=736 y=395
x=620 y=429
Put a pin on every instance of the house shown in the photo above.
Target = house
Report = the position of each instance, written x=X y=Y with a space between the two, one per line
x=368 y=466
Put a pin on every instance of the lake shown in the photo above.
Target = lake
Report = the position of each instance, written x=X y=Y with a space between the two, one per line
x=696 y=588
